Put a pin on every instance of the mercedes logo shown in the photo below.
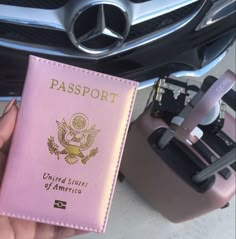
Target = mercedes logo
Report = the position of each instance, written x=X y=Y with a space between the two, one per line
x=99 y=28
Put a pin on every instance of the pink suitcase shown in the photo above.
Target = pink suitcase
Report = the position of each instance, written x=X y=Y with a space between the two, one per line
x=180 y=181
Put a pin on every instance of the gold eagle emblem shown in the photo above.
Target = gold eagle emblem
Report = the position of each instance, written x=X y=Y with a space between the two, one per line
x=75 y=138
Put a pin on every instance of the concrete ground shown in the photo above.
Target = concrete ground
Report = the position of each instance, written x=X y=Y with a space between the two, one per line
x=132 y=217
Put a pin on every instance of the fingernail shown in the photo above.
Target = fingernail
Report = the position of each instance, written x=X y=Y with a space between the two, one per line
x=9 y=105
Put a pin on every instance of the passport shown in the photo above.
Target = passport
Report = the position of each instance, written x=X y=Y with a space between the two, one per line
x=67 y=146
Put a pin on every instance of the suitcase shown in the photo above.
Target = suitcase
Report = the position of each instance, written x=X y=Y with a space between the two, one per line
x=181 y=176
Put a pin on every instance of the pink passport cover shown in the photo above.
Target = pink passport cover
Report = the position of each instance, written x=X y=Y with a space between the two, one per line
x=67 y=146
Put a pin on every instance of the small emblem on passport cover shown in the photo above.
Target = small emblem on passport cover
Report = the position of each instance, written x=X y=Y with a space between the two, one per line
x=60 y=204
x=75 y=137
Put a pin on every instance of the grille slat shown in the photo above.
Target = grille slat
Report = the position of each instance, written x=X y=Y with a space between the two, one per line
x=160 y=22
x=35 y=35
x=43 y=4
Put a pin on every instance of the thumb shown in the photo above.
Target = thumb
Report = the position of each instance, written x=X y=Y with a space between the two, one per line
x=7 y=122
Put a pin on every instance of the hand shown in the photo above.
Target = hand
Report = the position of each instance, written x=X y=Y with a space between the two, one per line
x=11 y=228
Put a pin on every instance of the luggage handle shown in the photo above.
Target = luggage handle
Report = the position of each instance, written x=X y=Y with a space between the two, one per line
x=216 y=166
x=229 y=98
x=206 y=103
x=198 y=107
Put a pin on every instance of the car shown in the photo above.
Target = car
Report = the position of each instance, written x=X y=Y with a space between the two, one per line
x=136 y=39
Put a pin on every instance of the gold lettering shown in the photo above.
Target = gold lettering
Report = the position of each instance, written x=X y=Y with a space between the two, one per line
x=54 y=83
x=62 y=86
x=97 y=93
x=77 y=89
x=113 y=95
x=71 y=88
x=86 y=90
x=104 y=95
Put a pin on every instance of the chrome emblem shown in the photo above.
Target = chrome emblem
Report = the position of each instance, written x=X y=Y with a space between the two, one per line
x=99 y=28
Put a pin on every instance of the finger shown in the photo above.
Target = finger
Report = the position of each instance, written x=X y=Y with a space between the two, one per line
x=62 y=233
x=3 y=159
x=6 y=228
x=45 y=231
x=7 y=124
x=23 y=229
x=9 y=105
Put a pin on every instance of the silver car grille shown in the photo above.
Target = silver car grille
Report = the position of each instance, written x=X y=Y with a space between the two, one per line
x=162 y=22
x=53 y=39
x=43 y=4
